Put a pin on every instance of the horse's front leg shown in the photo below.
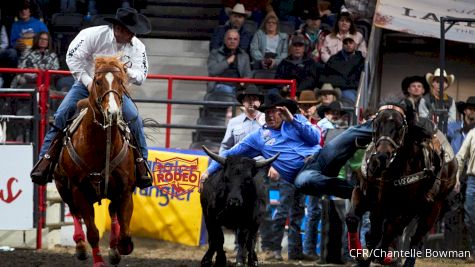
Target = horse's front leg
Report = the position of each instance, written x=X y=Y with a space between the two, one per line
x=114 y=255
x=80 y=238
x=125 y=245
x=357 y=208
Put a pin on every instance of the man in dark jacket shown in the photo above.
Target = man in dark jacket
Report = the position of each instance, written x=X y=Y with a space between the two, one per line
x=236 y=20
x=299 y=67
x=343 y=70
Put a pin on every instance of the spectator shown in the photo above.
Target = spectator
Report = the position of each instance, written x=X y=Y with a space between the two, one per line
x=414 y=87
x=330 y=115
x=328 y=94
x=328 y=17
x=312 y=34
x=229 y=61
x=237 y=16
x=298 y=66
x=25 y=29
x=458 y=130
x=344 y=69
x=257 y=9
x=308 y=105
x=428 y=102
x=344 y=27
x=361 y=9
x=269 y=46
x=294 y=138
x=8 y=57
x=467 y=152
x=40 y=56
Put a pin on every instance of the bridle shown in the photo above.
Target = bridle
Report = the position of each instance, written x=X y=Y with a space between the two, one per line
x=99 y=99
x=402 y=131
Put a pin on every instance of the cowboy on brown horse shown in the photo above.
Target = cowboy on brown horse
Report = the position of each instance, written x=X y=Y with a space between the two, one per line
x=118 y=39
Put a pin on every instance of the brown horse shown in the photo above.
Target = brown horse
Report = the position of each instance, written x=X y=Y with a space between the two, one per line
x=97 y=162
x=401 y=170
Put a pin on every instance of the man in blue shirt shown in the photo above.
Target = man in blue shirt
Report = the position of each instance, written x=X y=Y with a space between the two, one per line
x=457 y=130
x=25 y=29
x=295 y=139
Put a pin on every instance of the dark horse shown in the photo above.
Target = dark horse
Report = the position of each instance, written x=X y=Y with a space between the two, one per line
x=401 y=169
x=97 y=162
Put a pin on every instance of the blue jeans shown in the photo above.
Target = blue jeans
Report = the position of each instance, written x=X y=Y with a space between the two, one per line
x=314 y=214
x=349 y=95
x=319 y=175
x=68 y=107
x=469 y=207
x=292 y=206
x=365 y=225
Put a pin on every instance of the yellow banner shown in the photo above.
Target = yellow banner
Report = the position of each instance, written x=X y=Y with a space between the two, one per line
x=170 y=210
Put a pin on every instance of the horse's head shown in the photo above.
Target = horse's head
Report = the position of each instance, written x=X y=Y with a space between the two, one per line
x=389 y=130
x=108 y=88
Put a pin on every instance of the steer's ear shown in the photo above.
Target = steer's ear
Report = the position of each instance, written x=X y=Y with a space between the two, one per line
x=216 y=157
x=265 y=162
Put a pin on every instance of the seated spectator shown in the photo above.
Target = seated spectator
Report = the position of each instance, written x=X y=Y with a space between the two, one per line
x=269 y=46
x=328 y=17
x=237 y=16
x=229 y=61
x=328 y=94
x=256 y=9
x=299 y=67
x=345 y=27
x=25 y=29
x=8 y=57
x=312 y=33
x=344 y=69
x=307 y=104
x=40 y=56
x=330 y=117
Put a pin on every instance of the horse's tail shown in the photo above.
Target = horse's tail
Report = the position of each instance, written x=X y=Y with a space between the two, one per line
x=153 y=125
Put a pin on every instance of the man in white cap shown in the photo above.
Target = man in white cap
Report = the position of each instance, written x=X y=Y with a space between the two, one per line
x=116 y=39
x=237 y=16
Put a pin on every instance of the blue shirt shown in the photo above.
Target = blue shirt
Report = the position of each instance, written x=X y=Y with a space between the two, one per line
x=455 y=135
x=32 y=25
x=238 y=128
x=295 y=141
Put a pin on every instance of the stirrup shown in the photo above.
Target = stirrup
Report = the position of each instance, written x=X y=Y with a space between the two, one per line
x=142 y=174
x=40 y=172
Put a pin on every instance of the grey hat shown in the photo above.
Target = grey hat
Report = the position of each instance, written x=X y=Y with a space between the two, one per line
x=132 y=20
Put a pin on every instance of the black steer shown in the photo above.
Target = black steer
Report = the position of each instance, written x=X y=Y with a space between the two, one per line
x=233 y=198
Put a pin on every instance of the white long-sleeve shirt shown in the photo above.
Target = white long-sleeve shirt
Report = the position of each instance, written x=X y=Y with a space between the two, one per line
x=467 y=150
x=100 y=41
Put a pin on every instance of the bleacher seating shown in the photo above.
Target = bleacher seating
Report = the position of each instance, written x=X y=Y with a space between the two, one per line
x=287 y=27
x=64 y=27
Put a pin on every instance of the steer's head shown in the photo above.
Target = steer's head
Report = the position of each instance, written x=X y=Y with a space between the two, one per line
x=238 y=174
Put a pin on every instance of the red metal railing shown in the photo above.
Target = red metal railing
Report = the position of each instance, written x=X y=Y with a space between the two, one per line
x=43 y=83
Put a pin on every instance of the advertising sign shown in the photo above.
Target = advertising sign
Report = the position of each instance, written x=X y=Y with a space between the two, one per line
x=16 y=188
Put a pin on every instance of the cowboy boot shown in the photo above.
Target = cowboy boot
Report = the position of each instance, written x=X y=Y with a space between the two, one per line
x=142 y=171
x=40 y=174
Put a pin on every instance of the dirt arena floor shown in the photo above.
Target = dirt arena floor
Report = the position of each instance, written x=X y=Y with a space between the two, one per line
x=153 y=253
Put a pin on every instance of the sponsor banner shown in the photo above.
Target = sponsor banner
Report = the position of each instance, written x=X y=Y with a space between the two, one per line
x=16 y=188
x=422 y=17
x=170 y=210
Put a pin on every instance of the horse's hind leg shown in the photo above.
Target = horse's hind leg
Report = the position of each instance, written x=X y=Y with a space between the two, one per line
x=80 y=238
x=424 y=224
x=353 y=218
x=125 y=244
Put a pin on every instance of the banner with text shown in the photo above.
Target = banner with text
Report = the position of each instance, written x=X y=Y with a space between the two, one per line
x=422 y=17
x=16 y=188
x=170 y=209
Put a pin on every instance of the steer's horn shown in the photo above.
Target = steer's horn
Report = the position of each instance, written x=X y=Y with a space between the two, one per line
x=265 y=162
x=214 y=156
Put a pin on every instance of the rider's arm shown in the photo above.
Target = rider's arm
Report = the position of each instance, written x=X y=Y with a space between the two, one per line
x=137 y=72
x=79 y=52
x=309 y=134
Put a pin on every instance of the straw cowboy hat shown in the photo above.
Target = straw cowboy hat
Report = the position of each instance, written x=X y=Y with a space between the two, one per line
x=430 y=77
x=307 y=97
x=328 y=88
x=273 y=100
x=461 y=106
x=238 y=9
x=406 y=82
x=251 y=89
x=132 y=20
x=335 y=105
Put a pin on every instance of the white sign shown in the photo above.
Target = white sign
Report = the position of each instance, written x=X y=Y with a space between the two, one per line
x=16 y=188
x=422 y=17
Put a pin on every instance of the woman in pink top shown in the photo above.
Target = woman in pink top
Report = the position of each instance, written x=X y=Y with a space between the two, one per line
x=344 y=27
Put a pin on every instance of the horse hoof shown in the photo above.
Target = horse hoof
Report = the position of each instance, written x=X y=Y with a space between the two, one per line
x=100 y=264
x=114 y=256
x=125 y=246
x=206 y=263
x=81 y=252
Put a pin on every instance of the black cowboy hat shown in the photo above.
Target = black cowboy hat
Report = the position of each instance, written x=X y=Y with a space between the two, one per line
x=406 y=82
x=335 y=105
x=251 y=89
x=461 y=106
x=273 y=100
x=132 y=20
